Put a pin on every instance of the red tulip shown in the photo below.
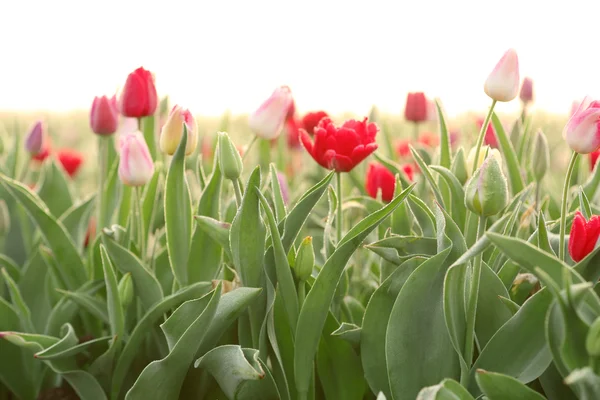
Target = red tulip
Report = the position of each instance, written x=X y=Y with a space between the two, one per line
x=104 y=116
x=416 y=107
x=311 y=120
x=409 y=170
x=429 y=139
x=71 y=160
x=584 y=235
x=403 y=148
x=292 y=128
x=380 y=178
x=490 y=134
x=594 y=159
x=139 y=98
x=44 y=153
x=341 y=148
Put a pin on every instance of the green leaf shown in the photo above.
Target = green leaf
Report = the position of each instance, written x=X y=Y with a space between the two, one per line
x=510 y=157
x=492 y=313
x=54 y=188
x=423 y=215
x=218 y=231
x=448 y=389
x=178 y=214
x=185 y=328
x=59 y=353
x=459 y=210
x=328 y=232
x=419 y=351
x=34 y=289
x=146 y=287
x=18 y=302
x=152 y=197
x=585 y=382
x=316 y=305
x=554 y=386
x=76 y=220
x=280 y=211
x=113 y=301
x=584 y=204
x=424 y=168
x=445 y=153
x=501 y=387
x=404 y=246
x=348 y=332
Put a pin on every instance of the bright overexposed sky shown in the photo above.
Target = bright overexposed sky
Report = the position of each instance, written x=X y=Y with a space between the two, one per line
x=337 y=55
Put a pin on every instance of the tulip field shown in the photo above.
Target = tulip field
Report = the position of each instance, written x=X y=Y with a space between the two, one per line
x=157 y=254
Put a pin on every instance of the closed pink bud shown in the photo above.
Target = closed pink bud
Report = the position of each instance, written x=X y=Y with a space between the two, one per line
x=267 y=122
x=34 y=143
x=582 y=132
x=526 y=93
x=135 y=166
x=503 y=83
x=104 y=116
x=172 y=131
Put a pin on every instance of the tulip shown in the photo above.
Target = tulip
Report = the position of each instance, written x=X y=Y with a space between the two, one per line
x=267 y=122
x=490 y=134
x=104 y=116
x=526 y=93
x=582 y=132
x=379 y=178
x=409 y=170
x=305 y=260
x=574 y=107
x=135 y=166
x=486 y=193
x=311 y=120
x=341 y=148
x=230 y=160
x=172 y=131
x=594 y=159
x=403 y=148
x=485 y=149
x=292 y=129
x=540 y=156
x=125 y=289
x=416 y=108
x=138 y=98
x=503 y=82
x=35 y=140
x=70 y=160
x=584 y=236
x=428 y=139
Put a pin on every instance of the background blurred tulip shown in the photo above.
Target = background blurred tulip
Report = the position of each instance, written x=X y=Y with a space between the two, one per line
x=172 y=131
x=104 y=116
x=490 y=134
x=379 y=178
x=526 y=93
x=416 y=107
x=503 y=82
x=138 y=98
x=135 y=166
x=582 y=132
x=34 y=142
x=268 y=120
x=594 y=159
x=70 y=160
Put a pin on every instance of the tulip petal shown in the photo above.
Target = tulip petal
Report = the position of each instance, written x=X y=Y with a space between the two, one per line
x=577 y=238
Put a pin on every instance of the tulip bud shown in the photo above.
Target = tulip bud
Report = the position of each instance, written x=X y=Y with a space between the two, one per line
x=267 y=122
x=526 y=93
x=379 y=178
x=416 y=108
x=592 y=341
x=135 y=166
x=4 y=219
x=126 y=290
x=305 y=259
x=540 y=157
x=229 y=158
x=486 y=192
x=582 y=132
x=34 y=143
x=584 y=235
x=104 y=116
x=138 y=98
x=172 y=131
x=482 y=155
x=503 y=82
x=459 y=166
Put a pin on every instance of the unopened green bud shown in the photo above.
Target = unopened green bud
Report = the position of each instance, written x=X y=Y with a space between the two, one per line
x=4 y=219
x=229 y=158
x=126 y=290
x=592 y=341
x=459 y=166
x=305 y=259
x=540 y=156
x=487 y=191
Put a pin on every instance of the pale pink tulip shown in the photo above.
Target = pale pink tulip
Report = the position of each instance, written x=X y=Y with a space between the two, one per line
x=267 y=122
x=582 y=132
x=503 y=82
x=135 y=166
x=526 y=93
x=172 y=131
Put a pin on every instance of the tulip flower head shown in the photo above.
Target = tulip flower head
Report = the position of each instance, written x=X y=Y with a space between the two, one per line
x=503 y=82
x=409 y=170
x=135 y=166
x=379 y=178
x=292 y=130
x=584 y=236
x=594 y=159
x=35 y=140
x=138 y=98
x=104 y=116
x=70 y=160
x=482 y=155
x=486 y=193
x=490 y=134
x=582 y=132
x=526 y=93
x=267 y=122
x=172 y=131
x=341 y=148
x=417 y=107
x=311 y=120
x=403 y=148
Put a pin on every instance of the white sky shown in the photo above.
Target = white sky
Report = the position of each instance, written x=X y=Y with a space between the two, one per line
x=213 y=55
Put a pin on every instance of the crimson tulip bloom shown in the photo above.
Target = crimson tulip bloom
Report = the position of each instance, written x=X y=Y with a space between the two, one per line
x=104 y=116
x=380 y=178
x=312 y=119
x=416 y=107
x=584 y=236
x=138 y=98
x=403 y=148
x=594 y=159
x=71 y=160
x=341 y=148
x=409 y=170
x=490 y=134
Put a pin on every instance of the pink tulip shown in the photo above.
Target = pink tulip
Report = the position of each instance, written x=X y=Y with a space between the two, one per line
x=104 y=116
x=34 y=143
x=582 y=132
x=135 y=166
x=267 y=122
x=503 y=82
x=172 y=131
x=526 y=93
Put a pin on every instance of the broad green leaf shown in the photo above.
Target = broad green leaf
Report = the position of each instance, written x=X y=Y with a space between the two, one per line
x=585 y=382
x=113 y=301
x=218 y=231
x=18 y=302
x=163 y=378
x=542 y=235
x=316 y=305
x=448 y=389
x=54 y=189
x=279 y=203
x=178 y=214
x=11 y=267
x=427 y=174
x=501 y=387
x=510 y=157
x=77 y=218
x=112 y=193
x=34 y=289
x=404 y=246
x=93 y=305
x=589 y=267
x=151 y=198
x=423 y=215
x=553 y=385
x=492 y=314
x=419 y=351
x=459 y=210
x=59 y=353
x=348 y=332
x=445 y=152
x=584 y=204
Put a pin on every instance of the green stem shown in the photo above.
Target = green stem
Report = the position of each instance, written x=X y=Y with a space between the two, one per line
x=416 y=131
x=238 y=192
x=472 y=308
x=264 y=155
x=537 y=195
x=563 y=207
x=481 y=136
x=247 y=150
x=137 y=209
x=339 y=221
x=147 y=126
x=102 y=162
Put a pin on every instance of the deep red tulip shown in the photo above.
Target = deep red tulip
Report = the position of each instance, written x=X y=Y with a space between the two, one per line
x=341 y=148
x=311 y=120
x=138 y=98
x=584 y=235
x=409 y=170
x=104 y=116
x=594 y=159
x=71 y=160
x=416 y=107
x=380 y=178
x=490 y=134
x=403 y=148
